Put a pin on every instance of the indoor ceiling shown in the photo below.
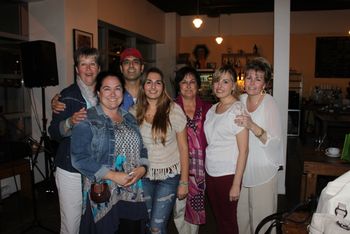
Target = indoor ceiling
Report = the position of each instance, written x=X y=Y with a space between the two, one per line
x=216 y=7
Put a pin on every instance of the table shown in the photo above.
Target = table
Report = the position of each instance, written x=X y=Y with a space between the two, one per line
x=317 y=163
x=19 y=167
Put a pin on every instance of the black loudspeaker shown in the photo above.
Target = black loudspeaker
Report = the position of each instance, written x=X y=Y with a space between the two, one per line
x=39 y=64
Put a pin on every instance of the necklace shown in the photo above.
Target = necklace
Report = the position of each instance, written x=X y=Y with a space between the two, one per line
x=118 y=119
x=254 y=105
x=222 y=107
x=227 y=103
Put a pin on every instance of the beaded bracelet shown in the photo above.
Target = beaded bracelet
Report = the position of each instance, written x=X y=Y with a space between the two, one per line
x=183 y=183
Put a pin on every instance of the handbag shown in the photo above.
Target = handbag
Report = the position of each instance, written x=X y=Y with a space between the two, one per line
x=346 y=148
x=100 y=192
x=328 y=224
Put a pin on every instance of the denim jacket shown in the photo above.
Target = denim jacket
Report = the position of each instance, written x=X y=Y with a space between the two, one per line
x=93 y=143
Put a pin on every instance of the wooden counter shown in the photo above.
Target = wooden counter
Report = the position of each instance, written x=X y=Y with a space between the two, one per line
x=317 y=163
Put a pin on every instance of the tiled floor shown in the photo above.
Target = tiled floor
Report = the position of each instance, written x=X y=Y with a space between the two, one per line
x=17 y=216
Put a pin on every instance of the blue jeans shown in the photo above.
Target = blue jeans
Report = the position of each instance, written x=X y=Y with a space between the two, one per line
x=160 y=196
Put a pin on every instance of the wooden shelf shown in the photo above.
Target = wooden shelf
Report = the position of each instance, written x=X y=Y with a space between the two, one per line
x=238 y=60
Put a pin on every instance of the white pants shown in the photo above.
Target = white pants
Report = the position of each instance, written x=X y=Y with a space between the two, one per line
x=254 y=204
x=182 y=226
x=69 y=189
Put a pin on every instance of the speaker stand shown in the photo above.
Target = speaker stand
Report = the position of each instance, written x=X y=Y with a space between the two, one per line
x=43 y=144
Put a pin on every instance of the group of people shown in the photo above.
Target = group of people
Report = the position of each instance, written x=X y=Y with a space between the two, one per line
x=129 y=155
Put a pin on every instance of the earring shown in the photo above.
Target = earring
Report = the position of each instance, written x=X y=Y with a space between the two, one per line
x=263 y=92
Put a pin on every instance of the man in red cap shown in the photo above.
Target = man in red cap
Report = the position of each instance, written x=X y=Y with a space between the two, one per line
x=131 y=66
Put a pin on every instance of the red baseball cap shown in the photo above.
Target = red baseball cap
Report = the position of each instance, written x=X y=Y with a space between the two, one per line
x=130 y=52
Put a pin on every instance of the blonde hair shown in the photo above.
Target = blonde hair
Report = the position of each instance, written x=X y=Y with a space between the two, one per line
x=233 y=75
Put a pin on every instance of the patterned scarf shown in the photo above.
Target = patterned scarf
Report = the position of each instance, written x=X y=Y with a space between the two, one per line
x=87 y=93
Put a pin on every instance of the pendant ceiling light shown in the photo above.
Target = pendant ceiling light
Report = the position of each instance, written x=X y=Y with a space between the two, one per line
x=197 y=22
x=219 y=38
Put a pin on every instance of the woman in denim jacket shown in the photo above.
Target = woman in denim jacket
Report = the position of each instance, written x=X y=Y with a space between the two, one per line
x=107 y=148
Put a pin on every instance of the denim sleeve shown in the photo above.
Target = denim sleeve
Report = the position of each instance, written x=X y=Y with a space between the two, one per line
x=82 y=158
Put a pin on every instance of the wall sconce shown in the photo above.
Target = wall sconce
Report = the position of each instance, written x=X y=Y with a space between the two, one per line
x=219 y=39
x=240 y=82
x=197 y=22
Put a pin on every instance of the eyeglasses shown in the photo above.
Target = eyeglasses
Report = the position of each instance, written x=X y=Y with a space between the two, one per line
x=134 y=62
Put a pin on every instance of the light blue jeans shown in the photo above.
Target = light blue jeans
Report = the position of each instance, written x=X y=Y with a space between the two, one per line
x=160 y=196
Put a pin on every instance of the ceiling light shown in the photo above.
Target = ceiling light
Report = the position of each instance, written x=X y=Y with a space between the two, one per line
x=219 y=38
x=197 y=22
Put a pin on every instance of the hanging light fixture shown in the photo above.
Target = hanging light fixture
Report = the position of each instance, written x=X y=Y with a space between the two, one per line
x=197 y=22
x=219 y=38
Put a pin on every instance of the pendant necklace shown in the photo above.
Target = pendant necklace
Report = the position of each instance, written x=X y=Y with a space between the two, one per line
x=255 y=105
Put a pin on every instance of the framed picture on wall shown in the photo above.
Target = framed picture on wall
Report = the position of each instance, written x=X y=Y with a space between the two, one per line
x=82 y=39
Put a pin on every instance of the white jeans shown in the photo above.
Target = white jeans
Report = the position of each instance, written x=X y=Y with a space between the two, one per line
x=254 y=204
x=182 y=226
x=69 y=189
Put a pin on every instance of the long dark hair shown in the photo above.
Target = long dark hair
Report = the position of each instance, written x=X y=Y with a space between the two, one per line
x=161 y=119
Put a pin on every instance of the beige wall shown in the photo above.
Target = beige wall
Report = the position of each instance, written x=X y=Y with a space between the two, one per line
x=54 y=20
x=303 y=59
x=137 y=16
x=242 y=31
